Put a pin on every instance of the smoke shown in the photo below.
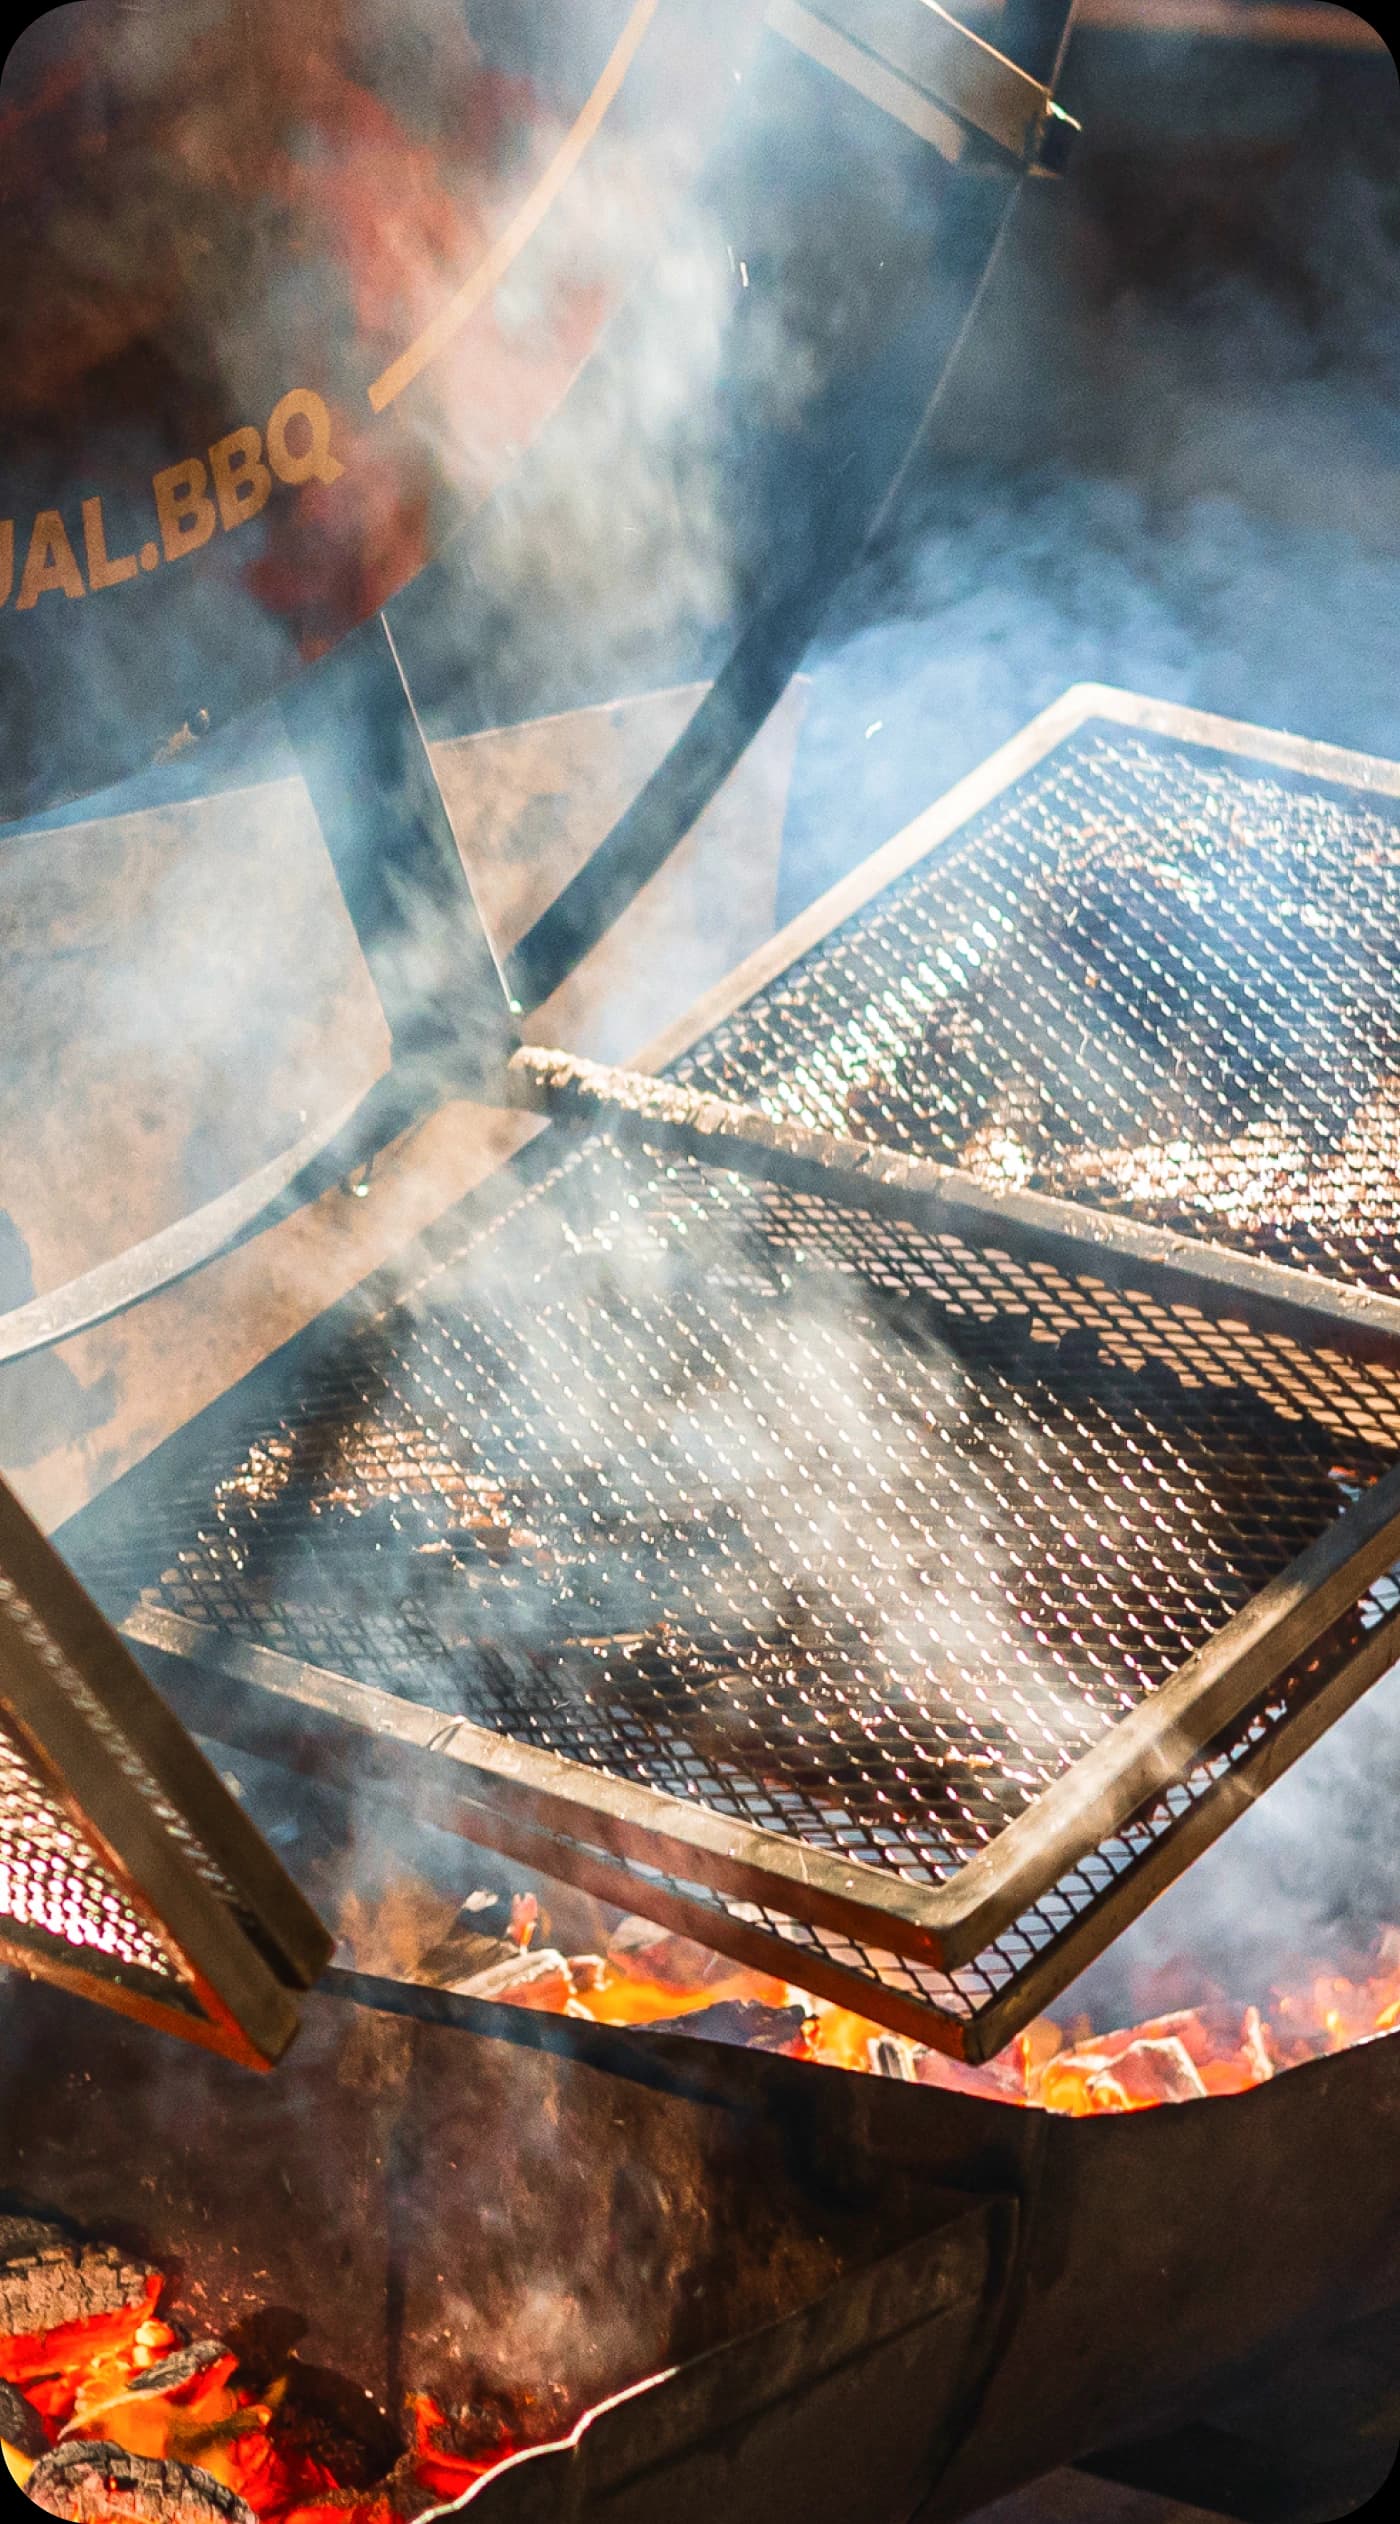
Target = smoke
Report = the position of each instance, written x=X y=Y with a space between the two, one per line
x=1302 y=1884
x=1138 y=519
x=1166 y=458
x=332 y=179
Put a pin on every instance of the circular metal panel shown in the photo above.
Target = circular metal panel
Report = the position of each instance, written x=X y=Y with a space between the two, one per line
x=287 y=294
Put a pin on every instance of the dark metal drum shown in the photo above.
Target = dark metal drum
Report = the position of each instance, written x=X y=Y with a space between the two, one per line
x=286 y=295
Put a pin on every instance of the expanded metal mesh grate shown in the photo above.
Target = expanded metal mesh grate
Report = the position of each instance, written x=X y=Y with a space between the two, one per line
x=125 y=1871
x=844 y=1532
x=54 y=1891
x=1148 y=977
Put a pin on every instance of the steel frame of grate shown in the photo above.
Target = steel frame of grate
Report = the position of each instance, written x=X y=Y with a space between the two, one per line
x=1294 y=1634
x=128 y=1874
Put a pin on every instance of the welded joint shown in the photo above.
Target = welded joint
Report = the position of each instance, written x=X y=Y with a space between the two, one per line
x=929 y=72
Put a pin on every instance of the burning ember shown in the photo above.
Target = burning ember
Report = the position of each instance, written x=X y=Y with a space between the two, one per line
x=498 y=1948
x=106 y=2412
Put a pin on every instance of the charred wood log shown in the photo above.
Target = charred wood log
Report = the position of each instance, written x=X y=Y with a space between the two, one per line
x=20 y=2424
x=56 y=2281
x=22 y=2235
x=541 y=1980
x=477 y=1940
x=745 y=2021
x=657 y=1954
x=103 y=2484
x=179 y=2368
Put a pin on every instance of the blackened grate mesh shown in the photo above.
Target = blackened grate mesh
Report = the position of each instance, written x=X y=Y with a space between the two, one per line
x=1148 y=977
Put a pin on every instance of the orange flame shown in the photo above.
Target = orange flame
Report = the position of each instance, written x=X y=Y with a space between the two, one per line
x=78 y=2379
x=1214 y=2049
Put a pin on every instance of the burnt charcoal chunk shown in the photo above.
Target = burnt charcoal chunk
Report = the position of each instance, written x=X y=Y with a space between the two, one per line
x=20 y=2423
x=103 y=2484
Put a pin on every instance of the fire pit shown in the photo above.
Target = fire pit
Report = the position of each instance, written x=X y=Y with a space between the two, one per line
x=904 y=2292
x=696 y=2267
x=873 y=1493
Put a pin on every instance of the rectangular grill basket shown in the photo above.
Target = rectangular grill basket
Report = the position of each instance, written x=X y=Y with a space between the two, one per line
x=897 y=1608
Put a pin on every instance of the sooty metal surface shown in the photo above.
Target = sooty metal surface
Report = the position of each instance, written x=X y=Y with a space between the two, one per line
x=894 y=1610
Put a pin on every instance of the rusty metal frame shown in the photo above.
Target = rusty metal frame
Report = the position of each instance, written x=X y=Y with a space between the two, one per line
x=562 y=1816
x=559 y=1817
x=87 y=1725
x=386 y=831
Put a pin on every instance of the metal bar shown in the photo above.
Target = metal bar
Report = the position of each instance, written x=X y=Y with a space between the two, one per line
x=651 y=1112
x=159 y=2014
x=369 y=1741
x=174 y=1253
x=549 y=1793
x=653 y=2060
x=1178 y=1847
x=936 y=56
x=1035 y=34
x=362 y=754
x=96 y=1737
x=871 y=78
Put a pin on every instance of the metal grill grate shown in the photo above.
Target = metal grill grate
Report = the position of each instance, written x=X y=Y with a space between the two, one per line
x=53 y=1890
x=801 y=1508
x=851 y=1589
x=1156 y=980
x=126 y=1872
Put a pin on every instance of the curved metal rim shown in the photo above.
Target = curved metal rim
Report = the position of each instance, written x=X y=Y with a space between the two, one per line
x=176 y=1251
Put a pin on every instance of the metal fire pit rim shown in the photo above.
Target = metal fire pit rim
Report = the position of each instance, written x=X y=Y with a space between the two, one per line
x=846 y=2318
x=679 y=2062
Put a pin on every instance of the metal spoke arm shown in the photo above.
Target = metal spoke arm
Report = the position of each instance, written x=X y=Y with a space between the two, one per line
x=908 y=54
